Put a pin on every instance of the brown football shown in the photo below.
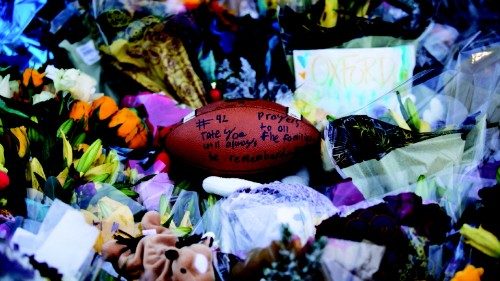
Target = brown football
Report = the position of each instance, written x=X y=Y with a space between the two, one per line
x=242 y=138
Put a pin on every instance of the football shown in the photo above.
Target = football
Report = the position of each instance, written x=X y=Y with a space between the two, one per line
x=242 y=138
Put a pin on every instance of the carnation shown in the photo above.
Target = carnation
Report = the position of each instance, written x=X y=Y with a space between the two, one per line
x=79 y=84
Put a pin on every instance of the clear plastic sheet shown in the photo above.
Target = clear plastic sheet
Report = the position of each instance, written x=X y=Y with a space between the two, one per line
x=351 y=261
x=305 y=24
x=114 y=15
x=17 y=48
x=107 y=190
x=251 y=218
x=186 y=203
x=150 y=191
x=37 y=206
x=468 y=88
x=64 y=240
x=463 y=98
x=447 y=162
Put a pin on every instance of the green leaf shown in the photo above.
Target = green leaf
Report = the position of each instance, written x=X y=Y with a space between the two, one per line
x=411 y=110
x=183 y=185
x=163 y=208
x=130 y=193
x=78 y=139
x=122 y=185
x=143 y=179
x=50 y=187
x=68 y=184
x=40 y=179
x=67 y=150
x=169 y=220
x=422 y=187
x=212 y=200
x=4 y=108
x=182 y=230
x=498 y=175
x=65 y=127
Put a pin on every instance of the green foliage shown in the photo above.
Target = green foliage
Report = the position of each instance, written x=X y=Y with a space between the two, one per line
x=297 y=267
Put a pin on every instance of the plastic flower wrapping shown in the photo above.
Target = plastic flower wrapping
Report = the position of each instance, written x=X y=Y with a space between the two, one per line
x=403 y=184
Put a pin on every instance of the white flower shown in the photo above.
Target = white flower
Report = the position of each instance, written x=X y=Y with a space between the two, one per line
x=79 y=84
x=5 y=87
x=61 y=83
x=43 y=96
x=84 y=88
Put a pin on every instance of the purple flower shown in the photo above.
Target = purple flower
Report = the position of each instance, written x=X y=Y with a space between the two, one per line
x=162 y=110
x=344 y=193
x=150 y=191
x=84 y=194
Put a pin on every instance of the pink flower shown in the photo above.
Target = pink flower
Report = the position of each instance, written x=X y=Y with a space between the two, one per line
x=150 y=191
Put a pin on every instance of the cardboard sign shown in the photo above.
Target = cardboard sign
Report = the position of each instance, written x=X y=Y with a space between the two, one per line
x=339 y=82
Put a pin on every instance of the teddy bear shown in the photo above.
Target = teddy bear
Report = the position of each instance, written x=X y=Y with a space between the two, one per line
x=160 y=255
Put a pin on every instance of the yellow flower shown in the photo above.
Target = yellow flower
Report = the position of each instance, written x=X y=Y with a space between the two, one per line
x=21 y=135
x=79 y=110
x=31 y=74
x=104 y=106
x=469 y=273
x=481 y=239
x=35 y=167
x=110 y=215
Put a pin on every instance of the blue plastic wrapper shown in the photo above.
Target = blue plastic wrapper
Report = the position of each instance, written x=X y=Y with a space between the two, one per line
x=17 y=48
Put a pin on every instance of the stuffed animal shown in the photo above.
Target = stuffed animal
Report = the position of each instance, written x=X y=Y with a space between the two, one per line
x=160 y=255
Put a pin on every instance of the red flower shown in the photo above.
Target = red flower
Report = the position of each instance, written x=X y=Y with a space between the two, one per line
x=4 y=180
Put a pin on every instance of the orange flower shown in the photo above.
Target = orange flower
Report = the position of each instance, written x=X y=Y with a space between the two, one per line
x=139 y=140
x=130 y=128
x=192 y=4
x=104 y=106
x=469 y=273
x=79 y=110
x=33 y=75
x=127 y=121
